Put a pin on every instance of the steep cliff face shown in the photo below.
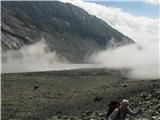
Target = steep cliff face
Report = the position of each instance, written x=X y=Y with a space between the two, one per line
x=67 y=29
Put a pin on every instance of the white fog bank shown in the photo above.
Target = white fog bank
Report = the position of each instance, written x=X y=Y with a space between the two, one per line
x=30 y=58
x=144 y=63
x=38 y=57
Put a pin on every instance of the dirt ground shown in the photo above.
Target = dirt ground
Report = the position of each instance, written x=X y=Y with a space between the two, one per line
x=49 y=95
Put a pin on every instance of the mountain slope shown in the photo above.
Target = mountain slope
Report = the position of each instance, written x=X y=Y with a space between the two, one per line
x=68 y=30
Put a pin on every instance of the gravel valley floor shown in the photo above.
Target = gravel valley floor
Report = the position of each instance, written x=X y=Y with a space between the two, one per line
x=75 y=95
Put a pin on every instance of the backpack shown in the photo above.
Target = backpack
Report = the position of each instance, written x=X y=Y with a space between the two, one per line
x=112 y=106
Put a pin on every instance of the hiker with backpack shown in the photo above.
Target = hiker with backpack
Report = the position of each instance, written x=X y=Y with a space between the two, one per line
x=119 y=111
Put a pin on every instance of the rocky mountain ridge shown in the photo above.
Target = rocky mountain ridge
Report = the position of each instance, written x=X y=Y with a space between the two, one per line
x=67 y=29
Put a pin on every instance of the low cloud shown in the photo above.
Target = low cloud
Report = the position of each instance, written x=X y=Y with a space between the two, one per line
x=34 y=57
x=141 y=63
x=143 y=30
x=144 y=62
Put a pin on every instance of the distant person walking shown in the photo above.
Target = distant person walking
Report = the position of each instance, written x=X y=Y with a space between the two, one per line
x=120 y=112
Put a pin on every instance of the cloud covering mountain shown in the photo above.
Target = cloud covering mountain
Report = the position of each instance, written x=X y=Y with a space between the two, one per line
x=68 y=31
x=142 y=60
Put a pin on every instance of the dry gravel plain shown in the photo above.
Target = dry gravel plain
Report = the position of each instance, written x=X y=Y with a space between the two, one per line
x=74 y=94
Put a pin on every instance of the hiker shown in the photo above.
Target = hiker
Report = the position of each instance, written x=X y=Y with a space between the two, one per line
x=120 y=112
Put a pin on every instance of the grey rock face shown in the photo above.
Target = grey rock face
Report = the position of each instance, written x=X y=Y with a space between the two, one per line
x=67 y=29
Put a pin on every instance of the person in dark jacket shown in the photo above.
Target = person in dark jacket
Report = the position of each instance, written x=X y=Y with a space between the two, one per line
x=121 y=112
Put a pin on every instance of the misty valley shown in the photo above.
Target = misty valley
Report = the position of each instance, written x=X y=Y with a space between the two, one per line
x=71 y=59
